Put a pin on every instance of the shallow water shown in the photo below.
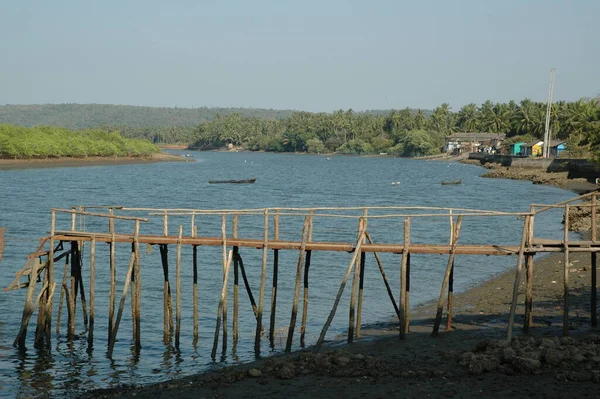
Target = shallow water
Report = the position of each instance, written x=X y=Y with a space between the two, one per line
x=282 y=181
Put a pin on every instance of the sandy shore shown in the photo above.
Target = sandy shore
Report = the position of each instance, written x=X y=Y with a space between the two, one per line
x=7 y=164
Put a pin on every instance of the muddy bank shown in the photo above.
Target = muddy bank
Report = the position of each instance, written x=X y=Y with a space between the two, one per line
x=469 y=361
x=8 y=164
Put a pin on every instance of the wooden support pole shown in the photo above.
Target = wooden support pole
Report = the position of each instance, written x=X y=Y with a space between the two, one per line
x=178 y=289
x=403 y=278
x=274 y=286
x=51 y=282
x=529 y=266
x=167 y=307
x=113 y=282
x=385 y=280
x=354 y=289
x=138 y=285
x=70 y=310
x=513 y=305
x=361 y=278
x=357 y=250
x=62 y=295
x=220 y=307
x=92 y=292
x=450 y=303
x=225 y=271
x=29 y=305
x=236 y=284
x=292 y=326
x=440 y=307
x=566 y=274
x=195 y=293
x=407 y=307
x=247 y=285
x=263 y=281
x=305 y=294
x=594 y=293
x=115 y=330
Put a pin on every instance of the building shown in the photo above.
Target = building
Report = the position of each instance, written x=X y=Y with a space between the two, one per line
x=515 y=149
x=532 y=149
x=556 y=147
x=458 y=143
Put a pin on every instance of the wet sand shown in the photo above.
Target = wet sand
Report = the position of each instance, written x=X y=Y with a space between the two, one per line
x=9 y=164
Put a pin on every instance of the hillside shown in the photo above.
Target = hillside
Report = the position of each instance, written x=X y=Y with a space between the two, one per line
x=81 y=116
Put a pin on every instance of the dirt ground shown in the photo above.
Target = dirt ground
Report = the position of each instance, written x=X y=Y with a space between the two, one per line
x=8 y=164
x=472 y=360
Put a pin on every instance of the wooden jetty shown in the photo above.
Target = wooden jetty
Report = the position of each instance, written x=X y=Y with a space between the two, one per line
x=69 y=243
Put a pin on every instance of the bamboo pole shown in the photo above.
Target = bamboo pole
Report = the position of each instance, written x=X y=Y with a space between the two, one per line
x=113 y=282
x=440 y=307
x=92 y=291
x=62 y=295
x=566 y=275
x=138 y=285
x=340 y=291
x=513 y=305
x=236 y=283
x=354 y=289
x=225 y=271
x=115 y=330
x=292 y=326
x=305 y=296
x=403 y=277
x=220 y=307
x=361 y=280
x=178 y=289
x=70 y=315
x=167 y=309
x=529 y=268
x=50 y=272
x=247 y=285
x=263 y=280
x=383 y=275
x=274 y=286
x=594 y=257
x=407 y=307
x=29 y=305
x=450 y=303
x=195 y=292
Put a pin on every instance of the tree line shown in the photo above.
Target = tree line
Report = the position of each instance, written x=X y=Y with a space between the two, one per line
x=404 y=132
x=17 y=142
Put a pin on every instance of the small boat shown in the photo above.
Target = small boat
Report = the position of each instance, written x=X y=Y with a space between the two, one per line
x=189 y=156
x=448 y=182
x=395 y=183
x=245 y=181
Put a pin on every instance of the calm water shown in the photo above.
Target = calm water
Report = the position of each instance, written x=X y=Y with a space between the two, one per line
x=26 y=196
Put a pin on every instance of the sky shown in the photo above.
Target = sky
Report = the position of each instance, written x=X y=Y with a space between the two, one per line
x=311 y=55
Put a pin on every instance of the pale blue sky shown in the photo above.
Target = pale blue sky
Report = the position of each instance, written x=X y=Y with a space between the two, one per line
x=313 y=55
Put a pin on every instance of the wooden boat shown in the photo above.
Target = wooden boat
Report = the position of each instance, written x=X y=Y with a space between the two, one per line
x=448 y=182
x=245 y=181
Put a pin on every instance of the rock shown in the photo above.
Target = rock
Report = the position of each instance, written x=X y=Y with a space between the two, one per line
x=285 y=373
x=465 y=358
x=554 y=356
x=568 y=341
x=547 y=343
x=508 y=354
x=526 y=365
x=255 y=373
x=480 y=364
x=342 y=360
x=359 y=356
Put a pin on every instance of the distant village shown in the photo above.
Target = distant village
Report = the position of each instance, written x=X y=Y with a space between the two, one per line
x=491 y=143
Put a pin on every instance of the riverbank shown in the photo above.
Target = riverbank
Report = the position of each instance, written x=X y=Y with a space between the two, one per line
x=470 y=361
x=9 y=164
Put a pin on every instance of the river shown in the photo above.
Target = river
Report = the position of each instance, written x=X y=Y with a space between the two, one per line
x=26 y=197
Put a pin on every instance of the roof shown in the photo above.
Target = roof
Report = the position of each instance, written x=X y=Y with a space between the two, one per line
x=555 y=143
x=476 y=136
x=533 y=143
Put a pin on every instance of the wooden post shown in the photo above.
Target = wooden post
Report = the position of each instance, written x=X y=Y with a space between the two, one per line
x=385 y=280
x=566 y=274
x=138 y=285
x=29 y=305
x=62 y=295
x=178 y=289
x=593 y=265
x=450 y=303
x=440 y=307
x=220 y=307
x=263 y=280
x=51 y=283
x=274 y=287
x=113 y=283
x=167 y=308
x=225 y=271
x=513 y=305
x=92 y=291
x=357 y=250
x=407 y=307
x=236 y=283
x=115 y=330
x=403 y=277
x=247 y=285
x=292 y=326
x=195 y=292
x=354 y=289
x=306 y=270
x=361 y=280
x=529 y=275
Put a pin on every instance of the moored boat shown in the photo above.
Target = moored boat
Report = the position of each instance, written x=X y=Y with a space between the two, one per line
x=448 y=182
x=244 y=181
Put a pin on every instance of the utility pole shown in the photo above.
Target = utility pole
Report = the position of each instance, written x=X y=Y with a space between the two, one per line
x=546 y=148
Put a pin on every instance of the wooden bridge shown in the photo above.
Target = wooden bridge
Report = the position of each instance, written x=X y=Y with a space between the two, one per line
x=69 y=243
